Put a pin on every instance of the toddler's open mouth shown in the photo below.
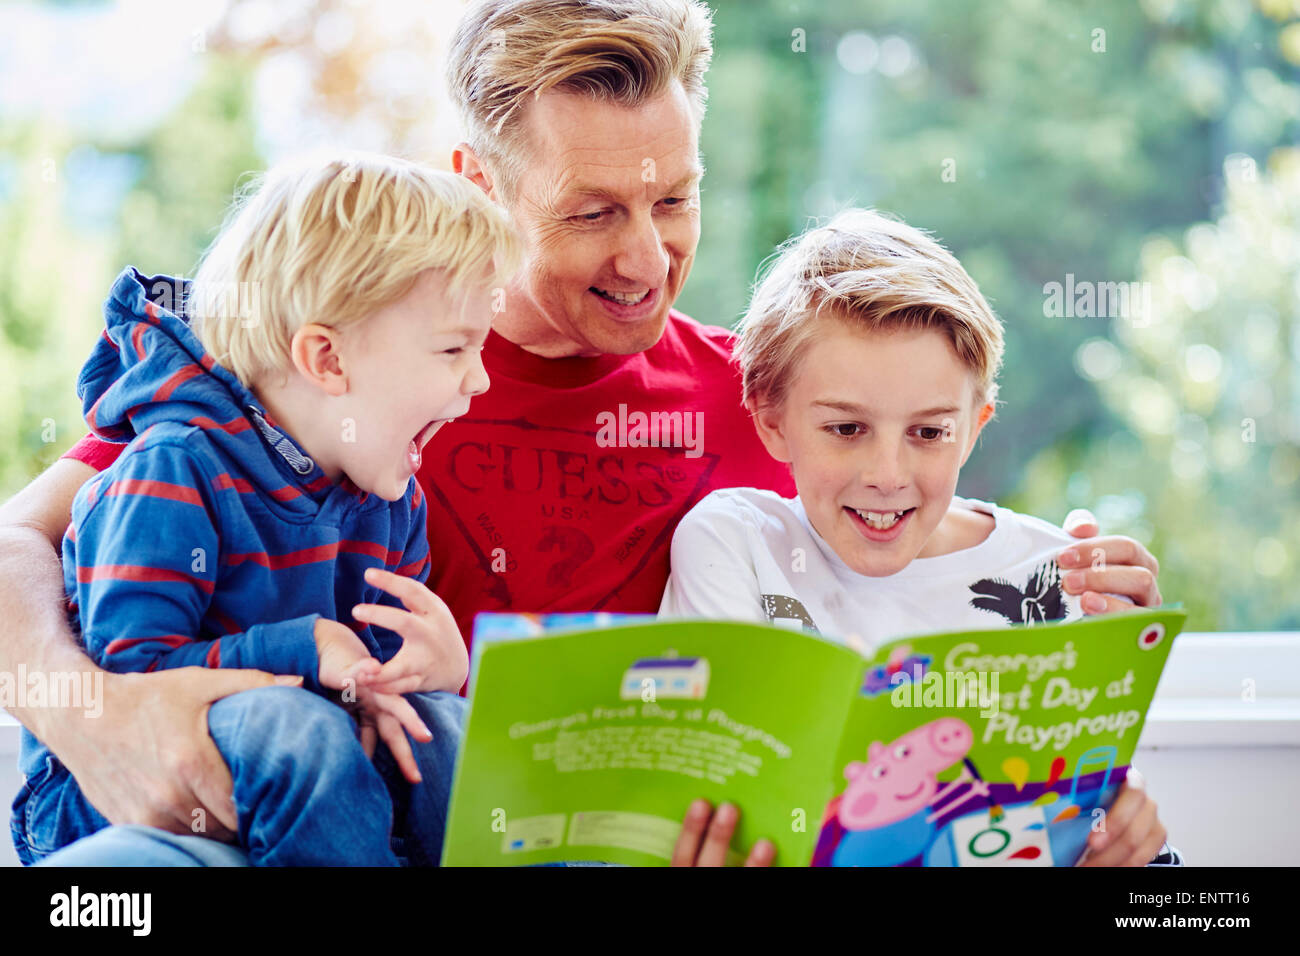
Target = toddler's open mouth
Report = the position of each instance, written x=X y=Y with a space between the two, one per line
x=414 y=451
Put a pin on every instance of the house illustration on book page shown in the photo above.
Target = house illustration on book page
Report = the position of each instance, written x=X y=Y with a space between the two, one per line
x=666 y=677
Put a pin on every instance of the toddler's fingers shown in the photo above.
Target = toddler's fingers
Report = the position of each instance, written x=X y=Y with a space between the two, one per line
x=414 y=595
x=398 y=708
x=369 y=737
x=402 y=684
x=391 y=732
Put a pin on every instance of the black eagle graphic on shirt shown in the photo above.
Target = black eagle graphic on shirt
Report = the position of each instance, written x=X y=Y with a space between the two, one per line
x=1038 y=601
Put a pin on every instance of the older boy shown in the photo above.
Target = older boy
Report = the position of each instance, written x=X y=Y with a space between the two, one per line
x=267 y=493
x=870 y=361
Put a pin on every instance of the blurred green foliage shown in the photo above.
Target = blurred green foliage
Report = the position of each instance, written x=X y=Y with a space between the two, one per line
x=1029 y=142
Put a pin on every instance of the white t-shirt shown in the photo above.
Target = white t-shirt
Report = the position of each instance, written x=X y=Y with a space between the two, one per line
x=751 y=555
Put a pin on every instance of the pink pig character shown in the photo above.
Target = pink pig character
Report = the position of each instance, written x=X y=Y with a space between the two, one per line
x=898 y=779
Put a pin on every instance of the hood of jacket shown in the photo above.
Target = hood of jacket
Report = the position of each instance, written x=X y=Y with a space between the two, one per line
x=149 y=367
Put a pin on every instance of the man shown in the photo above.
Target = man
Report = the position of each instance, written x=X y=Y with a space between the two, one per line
x=582 y=119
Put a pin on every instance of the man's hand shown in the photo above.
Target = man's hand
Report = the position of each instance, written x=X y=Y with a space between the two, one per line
x=346 y=665
x=149 y=759
x=433 y=655
x=1133 y=834
x=1097 y=569
x=706 y=835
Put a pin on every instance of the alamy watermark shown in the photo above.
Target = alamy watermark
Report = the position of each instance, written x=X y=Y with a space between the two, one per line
x=635 y=429
x=1098 y=300
x=67 y=690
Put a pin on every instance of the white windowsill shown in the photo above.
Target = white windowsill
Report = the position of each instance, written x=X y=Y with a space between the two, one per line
x=1199 y=702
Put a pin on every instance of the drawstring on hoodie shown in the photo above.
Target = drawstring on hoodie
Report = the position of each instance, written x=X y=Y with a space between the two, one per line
x=299 y=462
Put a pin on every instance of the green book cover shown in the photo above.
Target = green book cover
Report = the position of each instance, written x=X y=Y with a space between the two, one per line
x=1000 y=747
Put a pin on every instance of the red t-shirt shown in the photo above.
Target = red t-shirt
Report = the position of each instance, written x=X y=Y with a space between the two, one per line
x=548 y=495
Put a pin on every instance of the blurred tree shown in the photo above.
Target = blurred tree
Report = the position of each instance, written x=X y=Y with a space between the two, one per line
x=57 y=261
x=1035 y=140
x=1206 y=465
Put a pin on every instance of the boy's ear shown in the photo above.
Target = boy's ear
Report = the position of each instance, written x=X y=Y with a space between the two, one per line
x=982 y=418
x=465 y=162
x=317 y=356
x=771 y=430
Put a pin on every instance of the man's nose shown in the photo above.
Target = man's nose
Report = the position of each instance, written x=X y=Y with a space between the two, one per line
x=641 y=257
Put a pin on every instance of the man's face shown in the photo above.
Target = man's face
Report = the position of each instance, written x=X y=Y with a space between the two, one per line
x=876 y=427
x=608 y=204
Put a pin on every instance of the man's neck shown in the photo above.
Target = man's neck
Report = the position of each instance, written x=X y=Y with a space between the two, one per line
x=540 y=338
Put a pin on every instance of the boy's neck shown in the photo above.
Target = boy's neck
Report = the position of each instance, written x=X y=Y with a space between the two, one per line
x=960 y=529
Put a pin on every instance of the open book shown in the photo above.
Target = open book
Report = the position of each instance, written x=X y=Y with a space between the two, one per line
x=999 y=747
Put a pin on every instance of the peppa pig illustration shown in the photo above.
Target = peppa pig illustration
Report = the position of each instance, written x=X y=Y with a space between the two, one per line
x=884 y=809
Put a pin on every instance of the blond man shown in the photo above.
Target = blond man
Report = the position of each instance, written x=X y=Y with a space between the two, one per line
x=265 y=513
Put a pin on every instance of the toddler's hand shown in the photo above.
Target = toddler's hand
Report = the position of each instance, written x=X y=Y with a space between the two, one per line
x=344 y=660
x=346 y=665
x=433 y=655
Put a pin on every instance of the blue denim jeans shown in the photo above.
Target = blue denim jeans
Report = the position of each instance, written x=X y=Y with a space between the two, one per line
x=305 y=792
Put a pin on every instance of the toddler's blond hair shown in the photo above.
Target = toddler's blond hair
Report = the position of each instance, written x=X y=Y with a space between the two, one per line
x=330 y=238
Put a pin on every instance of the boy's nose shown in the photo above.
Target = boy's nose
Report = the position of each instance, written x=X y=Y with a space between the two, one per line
x=476 y=380
x=884 y=471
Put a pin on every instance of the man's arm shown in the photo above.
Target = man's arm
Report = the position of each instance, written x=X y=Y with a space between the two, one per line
x=144 y=755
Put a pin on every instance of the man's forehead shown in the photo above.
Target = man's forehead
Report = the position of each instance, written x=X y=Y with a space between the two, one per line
x=582 y=144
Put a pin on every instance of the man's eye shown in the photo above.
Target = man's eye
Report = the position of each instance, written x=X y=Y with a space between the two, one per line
x=674 y=200
x=589 y=216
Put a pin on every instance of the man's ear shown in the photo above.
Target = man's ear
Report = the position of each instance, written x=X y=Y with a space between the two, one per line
x=318 y=357
x=982 y=418
x=768 y=420
x=465 y=162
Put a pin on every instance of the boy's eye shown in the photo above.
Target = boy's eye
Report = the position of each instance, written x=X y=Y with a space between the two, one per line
x=844 y=430
x=931 y=432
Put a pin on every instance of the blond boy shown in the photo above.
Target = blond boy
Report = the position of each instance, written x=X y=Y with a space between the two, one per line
x=870 y=360
x=267 y=496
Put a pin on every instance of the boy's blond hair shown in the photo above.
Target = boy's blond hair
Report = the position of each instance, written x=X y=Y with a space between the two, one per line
x=870 y=272
x=506 y=53
x=330 y=239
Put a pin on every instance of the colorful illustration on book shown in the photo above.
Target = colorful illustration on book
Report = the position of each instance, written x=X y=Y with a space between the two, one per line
x=901 y=667
x=895 y=811
x=666 y=677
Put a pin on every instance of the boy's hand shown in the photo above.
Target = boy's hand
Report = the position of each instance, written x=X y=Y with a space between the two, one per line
x=1097 y=569
x=346 y=665
x=1133 y=834
x=433 y=655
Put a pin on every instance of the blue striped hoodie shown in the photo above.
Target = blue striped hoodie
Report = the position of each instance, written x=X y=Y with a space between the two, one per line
x=214 y=539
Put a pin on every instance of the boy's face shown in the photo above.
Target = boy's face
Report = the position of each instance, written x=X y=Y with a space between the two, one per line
x=410 y=368
x=877 y=422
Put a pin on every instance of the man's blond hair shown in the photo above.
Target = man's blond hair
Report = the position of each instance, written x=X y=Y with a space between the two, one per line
x=330 y=239
x=506 y=53
x=870 y=272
